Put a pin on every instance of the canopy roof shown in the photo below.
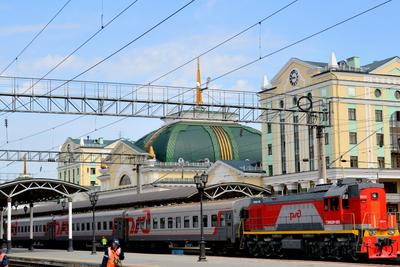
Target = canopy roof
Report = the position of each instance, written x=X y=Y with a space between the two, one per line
x=23 y=191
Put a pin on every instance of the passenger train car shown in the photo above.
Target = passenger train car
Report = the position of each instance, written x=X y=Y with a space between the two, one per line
x=348 y=219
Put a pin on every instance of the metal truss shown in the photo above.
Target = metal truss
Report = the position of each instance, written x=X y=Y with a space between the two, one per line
x=72 y=157
x=133 y=100
x=216 y=191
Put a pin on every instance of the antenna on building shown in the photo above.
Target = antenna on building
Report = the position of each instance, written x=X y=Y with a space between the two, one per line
x=265 y=84
x=332 y=61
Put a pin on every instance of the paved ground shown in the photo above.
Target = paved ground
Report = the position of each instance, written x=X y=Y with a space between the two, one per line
x=152 y=260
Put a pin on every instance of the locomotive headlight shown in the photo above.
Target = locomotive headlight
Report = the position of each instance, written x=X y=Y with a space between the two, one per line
x=391 y=232
x=372 y=232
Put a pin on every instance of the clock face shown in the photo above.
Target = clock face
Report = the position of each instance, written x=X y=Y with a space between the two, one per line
x=293 y=77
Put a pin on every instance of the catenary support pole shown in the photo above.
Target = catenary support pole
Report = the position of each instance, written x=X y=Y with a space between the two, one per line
x=31 y=226
x=9 y=225
x=321 y=155
x=1 y=226
x=70 y=244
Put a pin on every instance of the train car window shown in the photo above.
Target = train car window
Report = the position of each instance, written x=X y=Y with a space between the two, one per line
x=326 y=204
x=148 y=223
x=177 y=222
x=186 y=221
x=88 y=226
x=222 y=220
x=205 y=220
x=77 y=227
x=73 y=227
x=334 y=203
x=110 y=225
x=170 y=222
x=374 y=196
x=195 y=221
x=98 y=225
x=36 y=228
x=83 y=227
x=155 y=223
x=345 y=201
x=104 y=225
x=162 y=223
x=213 y=220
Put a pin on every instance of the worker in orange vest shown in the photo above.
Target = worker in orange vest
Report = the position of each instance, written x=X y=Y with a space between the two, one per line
x=113 y=255
x=3 y=258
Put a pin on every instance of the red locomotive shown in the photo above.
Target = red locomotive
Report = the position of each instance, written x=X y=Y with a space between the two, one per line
x=346 y=219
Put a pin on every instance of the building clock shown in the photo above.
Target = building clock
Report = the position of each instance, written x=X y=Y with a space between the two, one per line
x=293 y=77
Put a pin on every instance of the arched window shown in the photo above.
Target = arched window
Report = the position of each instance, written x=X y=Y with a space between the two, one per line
x=125 y=180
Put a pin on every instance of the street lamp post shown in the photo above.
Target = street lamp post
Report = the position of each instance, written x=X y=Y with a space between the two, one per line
x=93 y=200
x=201 y=181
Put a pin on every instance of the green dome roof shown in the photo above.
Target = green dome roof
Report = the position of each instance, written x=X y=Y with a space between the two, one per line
x=194 y=141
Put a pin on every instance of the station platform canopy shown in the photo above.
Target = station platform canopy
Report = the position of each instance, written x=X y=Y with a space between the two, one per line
x=26 y=191
x=127 y=197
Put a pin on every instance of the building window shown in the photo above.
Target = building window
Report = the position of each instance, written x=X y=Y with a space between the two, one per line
x=269 y=149
x=381 y=162
x=397 y=94
x=77 y=171
x=378 y=115
x=326 y=139
x=390 y=187
x=125 y=180
x=380 y=139
x=269 y=127
x=270 y=170
x=327 y=160
x=60 y=176
x=353 y=138
x=353 y=162
x=352 y=114
x=378 y=92
x=93 y=171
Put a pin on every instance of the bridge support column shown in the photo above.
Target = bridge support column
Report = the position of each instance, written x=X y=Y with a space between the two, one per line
x=9 y=225
x=31 y=226
x=70 y=244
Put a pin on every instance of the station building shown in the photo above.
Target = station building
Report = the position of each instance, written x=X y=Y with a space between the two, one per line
x=363 y=140
x=176 y=152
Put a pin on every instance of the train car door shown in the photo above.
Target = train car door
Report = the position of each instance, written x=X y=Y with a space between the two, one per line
x=226 y=231
x=51 y=230
x=121 y=229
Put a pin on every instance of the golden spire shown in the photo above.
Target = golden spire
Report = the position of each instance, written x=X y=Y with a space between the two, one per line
x=199 y=97
x=151 y=152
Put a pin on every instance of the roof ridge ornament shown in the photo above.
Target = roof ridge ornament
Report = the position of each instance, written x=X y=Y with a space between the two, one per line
x=265 y=83
x=332 y=61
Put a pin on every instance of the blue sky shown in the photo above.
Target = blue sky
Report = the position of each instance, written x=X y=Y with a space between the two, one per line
x=203 y=24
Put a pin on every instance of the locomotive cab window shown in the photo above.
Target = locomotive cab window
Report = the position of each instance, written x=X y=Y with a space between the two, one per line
x=334 y=204
x=345 y=201
x=326 y=204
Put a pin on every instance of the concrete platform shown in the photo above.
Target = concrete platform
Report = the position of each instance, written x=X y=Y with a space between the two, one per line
x=42 y=257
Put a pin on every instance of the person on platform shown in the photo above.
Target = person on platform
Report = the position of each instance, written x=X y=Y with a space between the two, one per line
x=113 y=255
x=3 y=258
x=104 y=242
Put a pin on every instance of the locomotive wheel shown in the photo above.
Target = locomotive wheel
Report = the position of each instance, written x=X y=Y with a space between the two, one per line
x=339 y=253
x=267 y=250
x=323 y=252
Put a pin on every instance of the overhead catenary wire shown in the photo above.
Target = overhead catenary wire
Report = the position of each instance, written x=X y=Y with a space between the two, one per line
x=81 y=46
x=186 y=62
x=34 y=38
x=120 y=49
